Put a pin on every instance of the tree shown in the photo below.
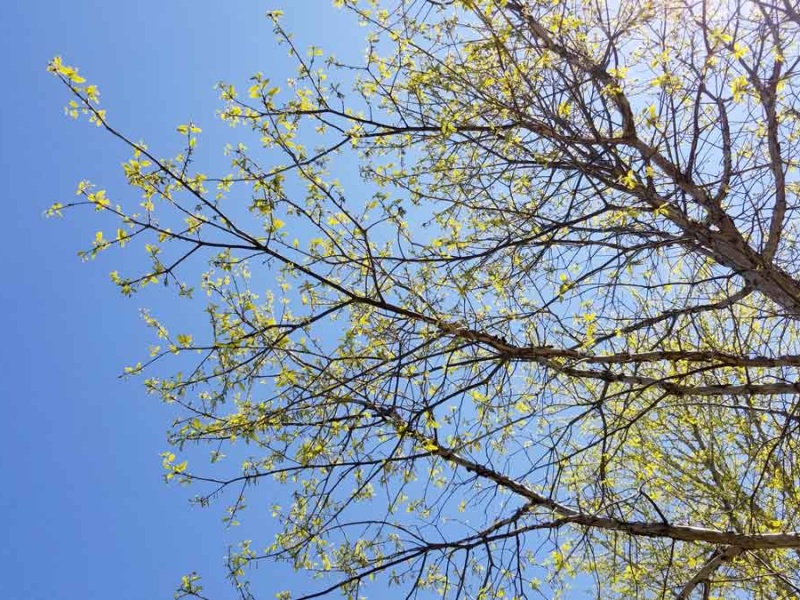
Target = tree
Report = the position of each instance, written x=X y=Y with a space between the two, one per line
x=551 y=332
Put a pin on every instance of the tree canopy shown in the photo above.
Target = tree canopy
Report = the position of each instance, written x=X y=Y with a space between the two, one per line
x=511 y=307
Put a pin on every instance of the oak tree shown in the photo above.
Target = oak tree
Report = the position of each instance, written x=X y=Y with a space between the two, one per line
x=510 y=307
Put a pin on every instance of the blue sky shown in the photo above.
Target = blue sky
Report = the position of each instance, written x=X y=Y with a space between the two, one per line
x=84 y=511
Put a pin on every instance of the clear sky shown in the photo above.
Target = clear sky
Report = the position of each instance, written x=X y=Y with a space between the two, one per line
x=83 y=509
